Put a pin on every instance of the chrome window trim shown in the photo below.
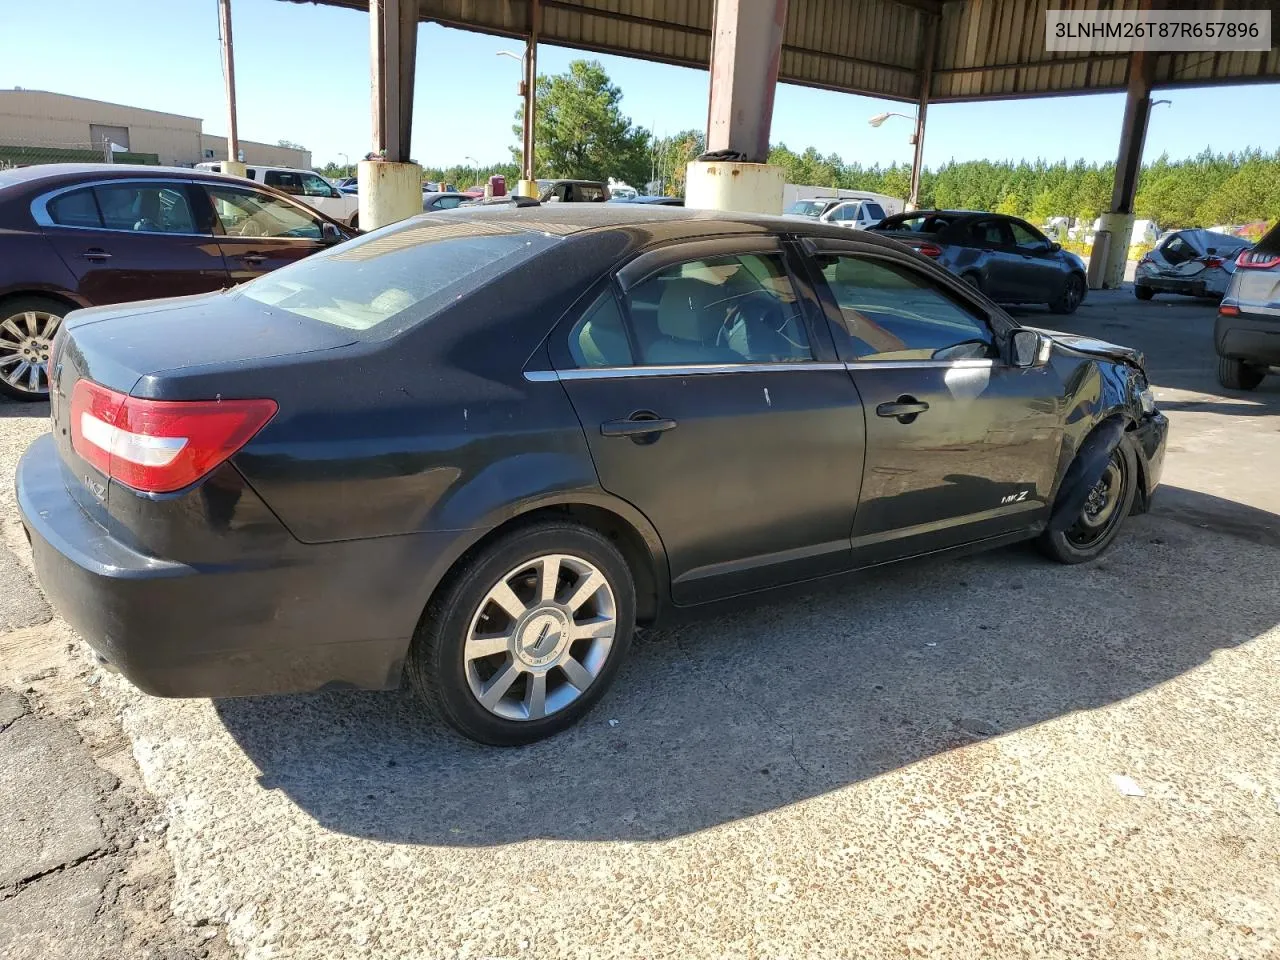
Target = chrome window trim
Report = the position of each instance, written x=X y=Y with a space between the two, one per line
x=617 y=373
x=40 y=205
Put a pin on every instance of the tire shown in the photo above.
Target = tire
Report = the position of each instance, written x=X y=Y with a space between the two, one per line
x=1084 y=541
x=1237 y=375
x=355 y=222
x=1072 y=295
x=454 y=624
x=1143 y=293
x=20 y=348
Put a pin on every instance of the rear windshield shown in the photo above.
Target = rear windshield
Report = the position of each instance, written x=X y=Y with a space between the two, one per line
x=916 y=223
x=385 y=281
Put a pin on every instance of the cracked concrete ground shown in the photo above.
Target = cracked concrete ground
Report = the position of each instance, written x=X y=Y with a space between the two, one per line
x=996 y=757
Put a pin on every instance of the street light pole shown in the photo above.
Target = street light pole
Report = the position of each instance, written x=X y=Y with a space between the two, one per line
x=529 y=90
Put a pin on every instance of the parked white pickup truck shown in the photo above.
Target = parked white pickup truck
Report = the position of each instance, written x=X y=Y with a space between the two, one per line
x=307 y=185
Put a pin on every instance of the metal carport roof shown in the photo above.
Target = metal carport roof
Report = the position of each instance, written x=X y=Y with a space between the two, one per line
x=986 y=49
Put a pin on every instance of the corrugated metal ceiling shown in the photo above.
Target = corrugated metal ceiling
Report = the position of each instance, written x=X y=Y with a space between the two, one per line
x=986 y=49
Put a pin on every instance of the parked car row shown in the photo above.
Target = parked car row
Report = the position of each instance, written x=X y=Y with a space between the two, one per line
x=82 y=235
x=479 y=447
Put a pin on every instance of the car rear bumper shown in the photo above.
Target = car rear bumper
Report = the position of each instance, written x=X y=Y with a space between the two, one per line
x=1198 y=286
x=1245 y=337
x=331 y=615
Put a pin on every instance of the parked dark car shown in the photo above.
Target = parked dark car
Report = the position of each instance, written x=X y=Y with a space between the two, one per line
x=79 y=235
x=480 y=446
x=434 y=202
x=650 y=201
x=1006 y=258
x=573 y=191
x=1195 y=263
x=1247 y=331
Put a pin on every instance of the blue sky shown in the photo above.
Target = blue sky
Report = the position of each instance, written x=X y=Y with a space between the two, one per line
x=303 y=74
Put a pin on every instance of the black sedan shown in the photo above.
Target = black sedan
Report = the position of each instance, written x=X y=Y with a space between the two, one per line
x=481 y=446
x=1006 y=258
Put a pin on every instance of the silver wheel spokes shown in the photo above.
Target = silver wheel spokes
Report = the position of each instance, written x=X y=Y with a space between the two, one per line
x=24 y=349
x=540 y=637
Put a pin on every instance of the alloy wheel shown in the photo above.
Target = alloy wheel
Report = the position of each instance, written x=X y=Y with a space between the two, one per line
x=25 y=338
x=540 y=637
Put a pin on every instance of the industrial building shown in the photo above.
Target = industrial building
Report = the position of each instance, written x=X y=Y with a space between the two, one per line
x=41 y=127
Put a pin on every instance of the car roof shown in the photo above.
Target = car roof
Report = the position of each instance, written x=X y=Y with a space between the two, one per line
x=72 y=171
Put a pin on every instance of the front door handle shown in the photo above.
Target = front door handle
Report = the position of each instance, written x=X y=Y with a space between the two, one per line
x=905 y=409
x=96 y=254
x=639 y=427
x=253 y=259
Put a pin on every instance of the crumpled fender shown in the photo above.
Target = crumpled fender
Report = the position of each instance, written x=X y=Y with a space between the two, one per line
x=1085 y=471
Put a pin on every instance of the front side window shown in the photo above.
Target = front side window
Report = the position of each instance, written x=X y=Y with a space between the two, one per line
x=991 y=233
x=893 y=313
x=730 y=309
x=75 y=209
x=846 y=211
x=145 y=208
x=386 y=281
x=246 y=213
x=1024 y=237
x=315 y=186
x=599 y=339
x=290 y=183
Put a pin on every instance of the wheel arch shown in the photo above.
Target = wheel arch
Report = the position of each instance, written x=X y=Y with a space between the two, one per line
x=52 y=294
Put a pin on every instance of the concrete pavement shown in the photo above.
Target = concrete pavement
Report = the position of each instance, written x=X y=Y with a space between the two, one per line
x=996 y=757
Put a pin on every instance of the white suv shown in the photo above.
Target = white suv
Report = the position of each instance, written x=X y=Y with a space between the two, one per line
x=307 y=185
x=855 y=213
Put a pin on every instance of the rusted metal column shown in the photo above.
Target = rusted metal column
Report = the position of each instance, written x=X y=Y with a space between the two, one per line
x=234 y=166
x=530 y=89
x=928 y=53
x=1133 y=135
x=746 y=47
x=391 y=186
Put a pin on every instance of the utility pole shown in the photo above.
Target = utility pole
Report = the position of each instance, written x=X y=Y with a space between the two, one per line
x=232 y=164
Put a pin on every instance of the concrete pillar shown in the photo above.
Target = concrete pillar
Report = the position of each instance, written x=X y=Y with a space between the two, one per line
x=1119 y=219
x=527 y=186
x=233 y=168
x=385 y=193
x=746 y=47
x=928 y=52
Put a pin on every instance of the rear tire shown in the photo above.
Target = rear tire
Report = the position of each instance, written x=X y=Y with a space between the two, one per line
x=1237 y=375
x=487 y=656
x=1072 y=295
x=1143 y=293
x=27 y=326
x=1100 y=521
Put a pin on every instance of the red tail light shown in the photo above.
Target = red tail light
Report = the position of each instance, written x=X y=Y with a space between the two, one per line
x=158 y=446
x=927 y=249
x=1229 y=310
x=1213 y=261
x=1257 y=260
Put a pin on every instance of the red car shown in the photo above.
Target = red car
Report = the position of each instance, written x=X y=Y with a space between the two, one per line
x=82 y=235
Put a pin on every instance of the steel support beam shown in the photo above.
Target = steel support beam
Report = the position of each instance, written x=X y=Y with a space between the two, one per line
x=746 y=47
x=927 y=55
x=530 y=90
x=1133 y=134
x=393 y=49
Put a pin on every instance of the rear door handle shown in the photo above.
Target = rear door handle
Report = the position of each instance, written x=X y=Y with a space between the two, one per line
x=905 y=409
x=636 y=427
x=253 y=259
x=96 y=254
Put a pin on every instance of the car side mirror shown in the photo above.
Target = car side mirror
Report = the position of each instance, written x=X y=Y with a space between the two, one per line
x=330 y=234
x=1028 y=348
x=1055 y=247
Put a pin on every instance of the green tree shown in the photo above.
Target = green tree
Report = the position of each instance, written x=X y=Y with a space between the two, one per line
x=580 y=130
x=670 y=160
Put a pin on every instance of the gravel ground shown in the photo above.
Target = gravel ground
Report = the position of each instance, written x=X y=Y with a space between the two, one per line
x=996 y=757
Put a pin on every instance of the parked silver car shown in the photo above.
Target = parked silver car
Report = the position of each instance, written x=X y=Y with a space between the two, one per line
x=1197 y=263
x=1246 y=334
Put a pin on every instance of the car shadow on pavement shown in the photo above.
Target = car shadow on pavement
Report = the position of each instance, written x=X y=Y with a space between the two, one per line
x=20 y=408
x=725 y=718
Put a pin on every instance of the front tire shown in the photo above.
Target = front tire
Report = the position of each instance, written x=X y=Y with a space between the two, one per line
x=1110 y=501
x=520 y=643
x=1143 y=293
x=1072 y=295
x=1238 y=375
x=27 y=326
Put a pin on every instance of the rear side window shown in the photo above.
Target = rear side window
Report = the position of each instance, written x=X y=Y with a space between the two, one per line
x=385 y=281
x=145 y=208
x=991 y=233
x=290 y=183
x=75 y=209
x=894 y=313
x=731 y=309
x=589 y=193
x=599 y=339
x=875 y=211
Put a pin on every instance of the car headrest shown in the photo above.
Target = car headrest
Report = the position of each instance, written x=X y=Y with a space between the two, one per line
x=688 y=310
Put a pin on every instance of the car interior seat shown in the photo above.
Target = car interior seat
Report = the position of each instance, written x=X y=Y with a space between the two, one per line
x=691 y=318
